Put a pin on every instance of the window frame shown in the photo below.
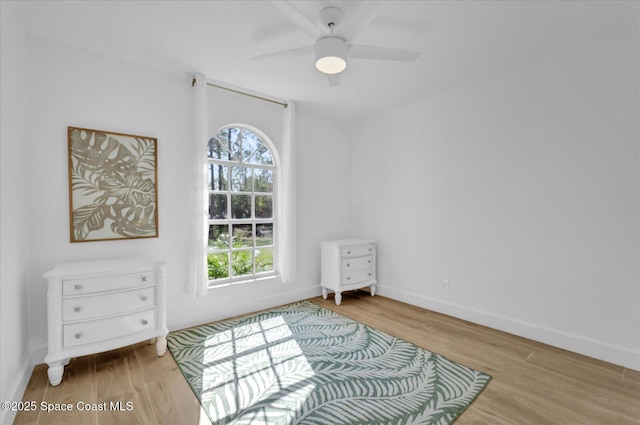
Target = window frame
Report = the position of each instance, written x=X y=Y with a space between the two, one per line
x=252 y=220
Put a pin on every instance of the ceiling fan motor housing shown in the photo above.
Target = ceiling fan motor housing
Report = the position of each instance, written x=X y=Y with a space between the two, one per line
x=331 y=55
x=331 y=17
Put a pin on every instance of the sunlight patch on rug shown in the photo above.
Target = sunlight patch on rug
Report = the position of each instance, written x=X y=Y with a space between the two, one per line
x=304 y=364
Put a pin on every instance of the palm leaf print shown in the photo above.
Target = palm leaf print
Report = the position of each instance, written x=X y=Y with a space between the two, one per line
x=303 y=364
x=145 y=157
x=113 y=184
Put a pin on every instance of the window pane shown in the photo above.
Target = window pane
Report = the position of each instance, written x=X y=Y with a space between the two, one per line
x=218 y=265
x=217 y=206
x=227 y=140
x=264 y=234
x=242 y=263
x=235 y=143
x=262 y=156
x=218 y=175
x=263 y=180
x=242 y=236
x=264 y=260
x=216 y=149
x=241 y=179
x=264 y=206
x=218 y=236
x=240 y=206
x=250 y=143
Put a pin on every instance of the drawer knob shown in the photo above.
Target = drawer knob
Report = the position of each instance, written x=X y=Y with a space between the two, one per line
x=77 y=309
x=78 y=335
x=143 y=297
x=369 y=261
x=369 y=274
x=348 y=264
x=145 y=278
x=77 y=287
x=348 y=252
x=144 y=322
x=370 y=249
x=349 y=278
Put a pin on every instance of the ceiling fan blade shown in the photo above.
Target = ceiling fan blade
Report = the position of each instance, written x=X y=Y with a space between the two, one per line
x=334 y=80
x=290 y=53
x=305 y=24
x=360 y=17
x=382 y=53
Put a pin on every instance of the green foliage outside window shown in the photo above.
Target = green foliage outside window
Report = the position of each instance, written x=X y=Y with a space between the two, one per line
x=241 y=261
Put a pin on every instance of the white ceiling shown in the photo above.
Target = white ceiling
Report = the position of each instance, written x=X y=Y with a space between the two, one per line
x=460 y=41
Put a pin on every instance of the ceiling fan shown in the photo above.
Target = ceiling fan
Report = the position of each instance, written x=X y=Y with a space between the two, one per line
x=332 y=48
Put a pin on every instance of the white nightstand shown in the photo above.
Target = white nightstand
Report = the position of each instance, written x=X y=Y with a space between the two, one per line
x=96 y=306
x=347 y=264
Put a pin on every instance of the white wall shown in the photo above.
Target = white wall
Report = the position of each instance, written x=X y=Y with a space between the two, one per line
x=15 y=157
x=523 y=190
x=73 y=87
x=324 y=188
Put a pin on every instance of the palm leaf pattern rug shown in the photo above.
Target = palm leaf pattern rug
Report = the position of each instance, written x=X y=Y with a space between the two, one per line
x=304 y=364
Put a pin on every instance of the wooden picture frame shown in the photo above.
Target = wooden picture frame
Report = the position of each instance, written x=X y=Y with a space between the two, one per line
x=113 y=190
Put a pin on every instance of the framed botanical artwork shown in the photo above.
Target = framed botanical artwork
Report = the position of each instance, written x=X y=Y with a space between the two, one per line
x=113 y=185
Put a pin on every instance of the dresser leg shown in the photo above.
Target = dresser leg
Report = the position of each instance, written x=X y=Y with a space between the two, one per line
x=161 y=345
x=325 y=294
x=338 y=298
x=373 y=290
x=55 y=372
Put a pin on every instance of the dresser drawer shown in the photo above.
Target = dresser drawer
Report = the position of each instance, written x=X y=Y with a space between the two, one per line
x=357 y=263
x=107 y=283
x=114 y=327
x=356 y=276
x=90 y=307
x=357 y=250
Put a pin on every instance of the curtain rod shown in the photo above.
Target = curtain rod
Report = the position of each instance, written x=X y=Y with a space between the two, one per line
x=193 y=83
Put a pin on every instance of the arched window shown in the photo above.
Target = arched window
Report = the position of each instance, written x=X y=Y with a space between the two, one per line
x=242 y=175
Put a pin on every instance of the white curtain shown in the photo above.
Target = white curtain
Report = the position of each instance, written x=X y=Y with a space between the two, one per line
x=198 y=213
x=286 y=234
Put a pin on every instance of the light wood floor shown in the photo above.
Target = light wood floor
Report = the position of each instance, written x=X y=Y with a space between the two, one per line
x=532 y=383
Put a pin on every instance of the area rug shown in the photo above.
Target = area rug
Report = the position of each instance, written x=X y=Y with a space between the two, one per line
x=304 y=364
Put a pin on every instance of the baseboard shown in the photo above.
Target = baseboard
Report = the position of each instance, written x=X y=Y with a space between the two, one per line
x=24 y=375
x=38 y=353
x=578 y=344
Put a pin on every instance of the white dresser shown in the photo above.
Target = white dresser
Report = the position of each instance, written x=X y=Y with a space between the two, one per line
x=96 y=306
x=347 y=264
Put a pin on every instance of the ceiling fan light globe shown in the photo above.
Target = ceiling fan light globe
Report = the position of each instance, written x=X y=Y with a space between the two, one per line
x=331 y=65
x=331 y=55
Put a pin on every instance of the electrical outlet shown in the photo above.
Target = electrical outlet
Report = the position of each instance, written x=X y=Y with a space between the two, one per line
x=446 y=284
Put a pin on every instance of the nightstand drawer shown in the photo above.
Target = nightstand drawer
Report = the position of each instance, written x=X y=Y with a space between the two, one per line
x=107 y=283
x=114 y=327
x=78 y=308
x=356 y=276
x=357 y=250
x=357 y=263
